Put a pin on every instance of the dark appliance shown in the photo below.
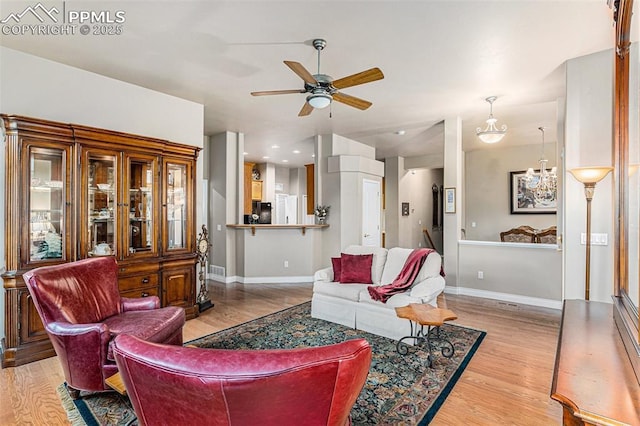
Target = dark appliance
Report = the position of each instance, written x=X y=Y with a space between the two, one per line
x=264 y=213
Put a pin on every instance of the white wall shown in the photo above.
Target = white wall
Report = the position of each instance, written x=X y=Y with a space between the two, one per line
x=342 y=164
x=40 y=88
x=413 y=187
x=265 y=255
x=487 y=190
x=588 y=143
x=393 y=171
x=418 y=183
x=282 y=177
x=452 y=222
x=522 y=273
x=222 y=153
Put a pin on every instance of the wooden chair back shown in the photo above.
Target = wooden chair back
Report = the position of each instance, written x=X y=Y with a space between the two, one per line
x=547 y=236
x=518 y=235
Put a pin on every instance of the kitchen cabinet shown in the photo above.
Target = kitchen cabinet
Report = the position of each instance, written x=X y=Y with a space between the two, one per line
x=256 y=190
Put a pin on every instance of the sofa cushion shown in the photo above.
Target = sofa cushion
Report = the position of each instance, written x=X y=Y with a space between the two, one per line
x=395 y=301
x=356 y=268
x=379 y=259
x=397 y=256
x=336 y=262
x=156 y=325
x=347 y=292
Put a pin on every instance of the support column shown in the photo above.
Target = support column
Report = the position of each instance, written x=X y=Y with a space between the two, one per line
x=452 y=223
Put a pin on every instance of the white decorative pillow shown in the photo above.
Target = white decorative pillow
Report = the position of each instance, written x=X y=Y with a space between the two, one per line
x=396 y=258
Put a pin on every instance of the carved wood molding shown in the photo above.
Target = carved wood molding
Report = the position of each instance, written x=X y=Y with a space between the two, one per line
x=622 y=12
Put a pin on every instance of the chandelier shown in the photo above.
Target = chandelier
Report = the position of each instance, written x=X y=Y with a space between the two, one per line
x=491 y=134
x=543 y=185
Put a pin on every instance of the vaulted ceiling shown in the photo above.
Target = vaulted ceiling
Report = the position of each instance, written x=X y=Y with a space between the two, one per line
x=440 y=59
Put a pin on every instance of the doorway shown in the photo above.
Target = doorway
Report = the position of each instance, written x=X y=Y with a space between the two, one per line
x=371 y=213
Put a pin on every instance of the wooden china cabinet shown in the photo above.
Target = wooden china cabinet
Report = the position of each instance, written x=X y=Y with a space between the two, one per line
x=74 y=192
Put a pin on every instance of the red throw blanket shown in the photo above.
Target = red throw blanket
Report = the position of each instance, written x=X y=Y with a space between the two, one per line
x=404 y=279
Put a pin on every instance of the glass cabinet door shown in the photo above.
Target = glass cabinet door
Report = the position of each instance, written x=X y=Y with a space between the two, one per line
x=177 y=208
x=140 y=191
x=48 y=221
x=101 y=204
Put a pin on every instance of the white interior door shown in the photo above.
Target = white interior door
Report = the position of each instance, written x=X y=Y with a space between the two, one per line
x=371 y=213
x=291 y=216
x=281 y=209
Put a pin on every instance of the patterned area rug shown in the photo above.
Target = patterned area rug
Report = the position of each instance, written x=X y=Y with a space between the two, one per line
x=400 y=389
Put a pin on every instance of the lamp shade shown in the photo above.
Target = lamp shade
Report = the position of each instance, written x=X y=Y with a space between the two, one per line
x=590 y=175
x=319 y=100
x=491 y=134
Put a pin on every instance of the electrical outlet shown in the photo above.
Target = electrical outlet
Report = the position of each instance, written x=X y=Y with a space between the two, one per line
x=480 y=275
x=286 y=263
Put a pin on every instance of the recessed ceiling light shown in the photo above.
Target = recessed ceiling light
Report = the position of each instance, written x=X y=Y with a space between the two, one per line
x=285 y=161
x=245 y=153
x=400 y=132
x=296 y=151
x=266 y=157
x=275 y=146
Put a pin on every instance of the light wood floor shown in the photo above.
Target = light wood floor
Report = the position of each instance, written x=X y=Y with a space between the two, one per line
x=506 y=383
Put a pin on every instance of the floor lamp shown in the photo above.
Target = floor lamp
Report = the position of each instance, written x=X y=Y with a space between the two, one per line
x=589 y=176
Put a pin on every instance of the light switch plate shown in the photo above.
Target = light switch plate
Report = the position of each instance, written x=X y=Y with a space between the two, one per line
x=596 y=239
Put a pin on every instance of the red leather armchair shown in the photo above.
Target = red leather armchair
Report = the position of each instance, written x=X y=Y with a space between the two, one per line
x=195 y=386
x=82 y=312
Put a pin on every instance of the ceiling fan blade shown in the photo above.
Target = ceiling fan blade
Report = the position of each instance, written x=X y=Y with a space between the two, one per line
x=306 y=110
x=367 y=76
x=351 y=101
x=302 y=72
x=277 y=92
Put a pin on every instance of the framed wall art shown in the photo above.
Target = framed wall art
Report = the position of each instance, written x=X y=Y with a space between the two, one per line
x=523 y=199
x=449 y=200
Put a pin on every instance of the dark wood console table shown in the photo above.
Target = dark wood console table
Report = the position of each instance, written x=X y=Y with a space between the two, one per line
x=593 y=378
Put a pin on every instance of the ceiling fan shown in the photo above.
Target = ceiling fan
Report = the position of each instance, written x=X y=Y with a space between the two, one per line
x=323 y=88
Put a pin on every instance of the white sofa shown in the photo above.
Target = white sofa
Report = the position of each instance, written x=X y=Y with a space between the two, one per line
x=352 y=306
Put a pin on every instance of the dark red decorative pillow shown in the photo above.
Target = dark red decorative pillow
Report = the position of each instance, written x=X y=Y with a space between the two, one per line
x=356 y=268
x=337 y=267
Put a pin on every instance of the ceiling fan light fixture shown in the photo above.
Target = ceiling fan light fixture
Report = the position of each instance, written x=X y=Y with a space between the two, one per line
x=491 y=134
x=319 y=100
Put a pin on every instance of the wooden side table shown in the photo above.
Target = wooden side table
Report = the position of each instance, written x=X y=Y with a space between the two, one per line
x=420 y=315
x=115 y=382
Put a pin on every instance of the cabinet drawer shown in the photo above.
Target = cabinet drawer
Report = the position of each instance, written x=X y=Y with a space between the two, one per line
x=143 y=292
x=138 y=281
x=137 y=268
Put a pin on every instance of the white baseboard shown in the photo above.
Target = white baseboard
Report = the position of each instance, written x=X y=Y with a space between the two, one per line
x=507 y=297
x=216 y=277
x=261 y=280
